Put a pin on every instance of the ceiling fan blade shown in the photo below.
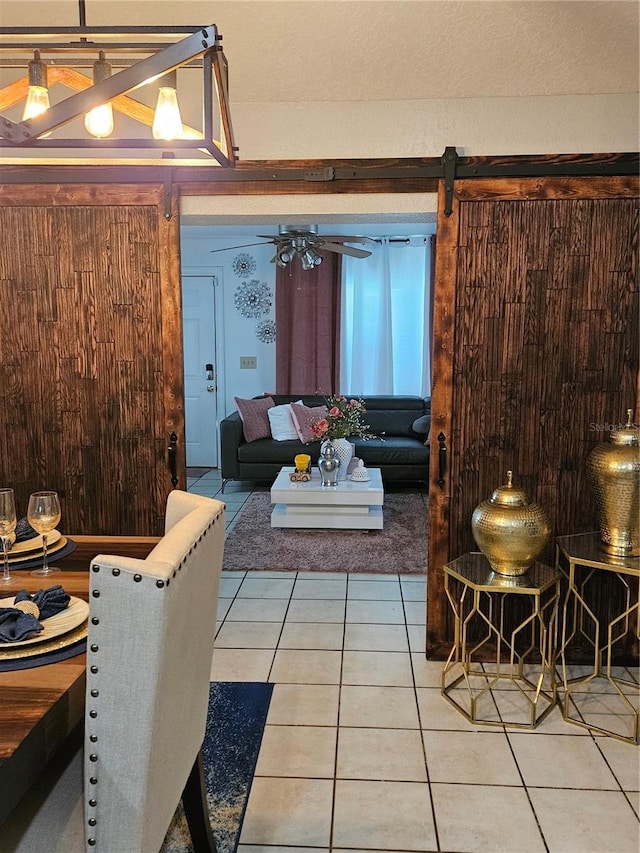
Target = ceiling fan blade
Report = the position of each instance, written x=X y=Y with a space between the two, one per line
x=345 y=250
x=340 y=238
x=243 y=246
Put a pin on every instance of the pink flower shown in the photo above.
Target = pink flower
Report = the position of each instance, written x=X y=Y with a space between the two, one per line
x=335 y=412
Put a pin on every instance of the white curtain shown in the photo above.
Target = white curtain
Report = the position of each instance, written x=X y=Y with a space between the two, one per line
x=384 y=324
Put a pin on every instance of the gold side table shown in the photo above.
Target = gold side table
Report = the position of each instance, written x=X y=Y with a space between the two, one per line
x=581 y=560
x=501 y=669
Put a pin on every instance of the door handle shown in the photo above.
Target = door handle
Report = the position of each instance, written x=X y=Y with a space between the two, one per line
x=211 y=388
x=442 y=459
x=172 y=458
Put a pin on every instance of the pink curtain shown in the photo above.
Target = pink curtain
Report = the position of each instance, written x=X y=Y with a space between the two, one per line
x=308 y=327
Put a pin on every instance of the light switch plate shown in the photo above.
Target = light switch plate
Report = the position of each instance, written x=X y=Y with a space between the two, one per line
x=248 y=362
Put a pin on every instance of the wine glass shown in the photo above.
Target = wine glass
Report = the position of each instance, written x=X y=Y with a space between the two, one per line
x=7 y=526
x=43 y=514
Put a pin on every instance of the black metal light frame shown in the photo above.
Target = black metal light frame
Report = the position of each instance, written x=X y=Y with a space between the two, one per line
x=195 y=47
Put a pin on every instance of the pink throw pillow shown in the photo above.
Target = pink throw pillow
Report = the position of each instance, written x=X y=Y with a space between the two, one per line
x=255 y=420
x=303 y=417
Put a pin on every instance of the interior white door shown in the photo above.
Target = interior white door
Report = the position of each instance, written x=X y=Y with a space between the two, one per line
x=200 y=374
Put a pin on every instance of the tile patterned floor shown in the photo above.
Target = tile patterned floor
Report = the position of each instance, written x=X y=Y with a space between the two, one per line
x=361 y=753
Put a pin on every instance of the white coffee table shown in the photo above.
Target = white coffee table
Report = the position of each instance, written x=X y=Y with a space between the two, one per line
x=350 y=504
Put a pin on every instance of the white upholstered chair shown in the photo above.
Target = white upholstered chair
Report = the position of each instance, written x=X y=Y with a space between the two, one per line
x=149 y=650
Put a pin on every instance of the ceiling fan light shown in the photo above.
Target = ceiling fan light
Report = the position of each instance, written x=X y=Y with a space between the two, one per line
x=310 y=259
x=287 y=254
x=306 y=261
x=315 y=256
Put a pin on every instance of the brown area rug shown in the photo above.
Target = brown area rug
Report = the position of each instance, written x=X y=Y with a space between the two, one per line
x=253 y=545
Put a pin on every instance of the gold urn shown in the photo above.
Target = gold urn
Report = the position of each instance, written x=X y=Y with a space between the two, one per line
x=510 y=530
x=613 y=470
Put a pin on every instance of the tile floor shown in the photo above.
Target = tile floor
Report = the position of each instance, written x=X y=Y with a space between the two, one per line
x=362 y=753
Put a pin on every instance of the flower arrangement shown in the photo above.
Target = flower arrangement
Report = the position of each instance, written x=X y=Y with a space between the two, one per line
x=343 y=419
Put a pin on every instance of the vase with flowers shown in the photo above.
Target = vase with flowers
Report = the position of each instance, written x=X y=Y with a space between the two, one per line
x=343 y=419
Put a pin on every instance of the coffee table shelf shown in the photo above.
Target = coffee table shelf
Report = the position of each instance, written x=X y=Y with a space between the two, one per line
x=349 y=505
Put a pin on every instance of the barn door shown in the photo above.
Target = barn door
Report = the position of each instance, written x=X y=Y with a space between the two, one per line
x=91 y=353
x=535 y=349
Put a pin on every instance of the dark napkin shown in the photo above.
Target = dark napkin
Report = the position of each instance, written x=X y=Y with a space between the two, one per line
x=49 y=601
x=17 y=625
x=24 y=530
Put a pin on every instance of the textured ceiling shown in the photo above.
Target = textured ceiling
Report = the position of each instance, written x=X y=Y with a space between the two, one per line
x=353 y=50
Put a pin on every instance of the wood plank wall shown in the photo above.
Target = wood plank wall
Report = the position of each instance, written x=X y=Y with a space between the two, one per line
x=83 y=369
x=546 y=351
x=536 y=350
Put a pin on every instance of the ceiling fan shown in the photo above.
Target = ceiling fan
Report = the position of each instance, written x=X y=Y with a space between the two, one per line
x=304 y=242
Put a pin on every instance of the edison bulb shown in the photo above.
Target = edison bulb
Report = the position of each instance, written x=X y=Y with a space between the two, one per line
x=167 y=121
x=99 y=121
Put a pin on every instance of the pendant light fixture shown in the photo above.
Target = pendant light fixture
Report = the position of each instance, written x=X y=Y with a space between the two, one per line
x=139 y=56
x=99 y=121
x=38 y=94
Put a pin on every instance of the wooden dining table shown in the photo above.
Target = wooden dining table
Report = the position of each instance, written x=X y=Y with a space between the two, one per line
x=40 y=707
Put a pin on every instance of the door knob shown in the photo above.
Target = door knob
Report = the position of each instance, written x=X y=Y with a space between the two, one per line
x=211 y=388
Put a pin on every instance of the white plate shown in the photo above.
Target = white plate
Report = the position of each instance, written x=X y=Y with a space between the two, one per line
x=54 y=626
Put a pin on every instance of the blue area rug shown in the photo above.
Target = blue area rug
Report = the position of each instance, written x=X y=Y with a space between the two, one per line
x=235 y=722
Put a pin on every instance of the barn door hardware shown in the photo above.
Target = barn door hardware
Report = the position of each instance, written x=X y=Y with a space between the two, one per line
x=172 y=458
x=449 y=161
x=442 y=459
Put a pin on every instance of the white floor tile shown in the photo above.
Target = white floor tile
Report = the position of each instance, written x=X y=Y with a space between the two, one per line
x=390 y=669
x=624 y=760
x=248 y=635
x=320 y=587
x=578 y=821
x=260 y=587
x=375 y=612
x=258 y=610
x=241 y=664
x=312 y=635
x=304 y=704
x=382 y=707
x=309 y=610
x=297 y=751
x=380 y=754
x=474 y=758
x=380 y=814
x=288 y=812
x=479 y=818
x=367 y=590
x=306 y=667
x=376 y=638
x=561 y=761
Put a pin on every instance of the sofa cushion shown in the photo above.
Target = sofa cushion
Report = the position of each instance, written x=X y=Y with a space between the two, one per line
x=392 y=450
x=281 y=423
x=255 y=420
x=303 y=417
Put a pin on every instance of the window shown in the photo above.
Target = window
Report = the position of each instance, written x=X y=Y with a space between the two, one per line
x=384 y=334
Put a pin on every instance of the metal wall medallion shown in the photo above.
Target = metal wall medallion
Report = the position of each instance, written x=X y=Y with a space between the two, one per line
x=244 y=265
x=266 y=331
x=253 y=298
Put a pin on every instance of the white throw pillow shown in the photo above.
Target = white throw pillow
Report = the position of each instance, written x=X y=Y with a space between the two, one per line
x=281 y=422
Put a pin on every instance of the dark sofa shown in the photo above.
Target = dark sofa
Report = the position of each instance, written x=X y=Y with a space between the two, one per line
x=398 y=450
